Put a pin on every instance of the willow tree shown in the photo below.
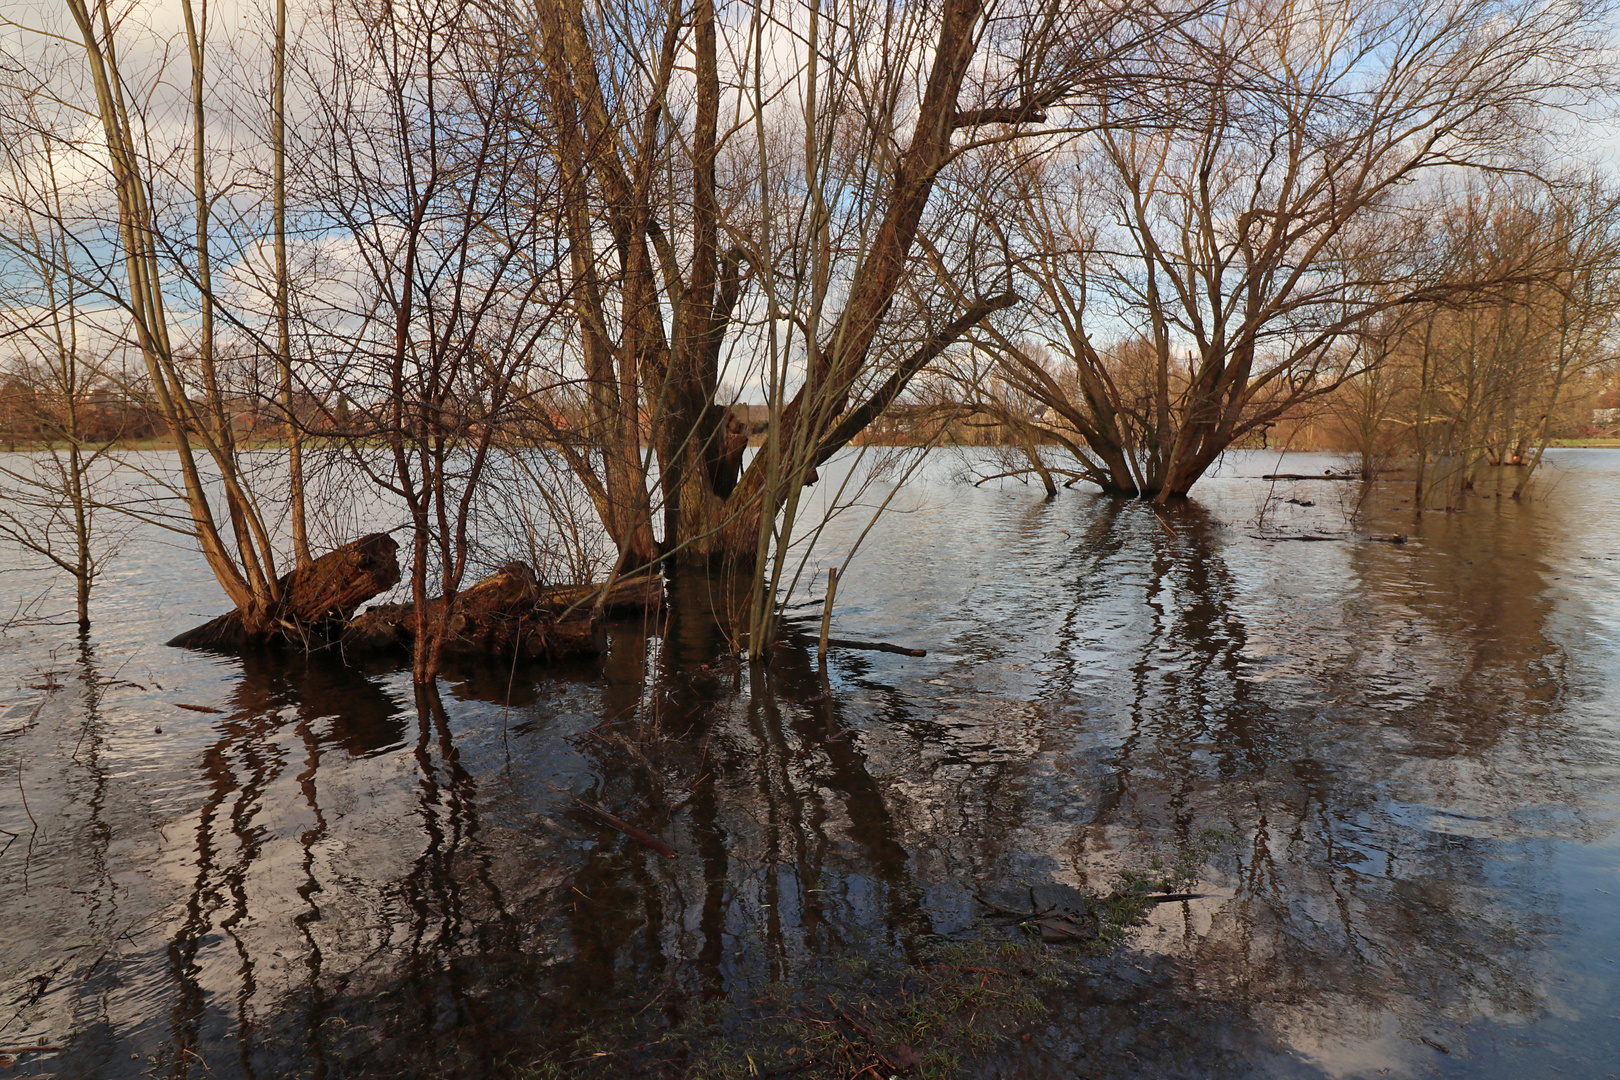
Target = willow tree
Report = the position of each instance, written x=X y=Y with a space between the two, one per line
x=1249 y=230
x=749 y=191
x=1487 y=376
x=1582 y=310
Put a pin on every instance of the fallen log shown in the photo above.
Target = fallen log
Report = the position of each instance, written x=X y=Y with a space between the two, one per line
x=1310 y=476
x=507 y=615
x=316 y=600
x=628 y=596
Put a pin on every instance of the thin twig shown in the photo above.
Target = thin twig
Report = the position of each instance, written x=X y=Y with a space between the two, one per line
x=645 y=839
x=27 y=811
x=874 y=646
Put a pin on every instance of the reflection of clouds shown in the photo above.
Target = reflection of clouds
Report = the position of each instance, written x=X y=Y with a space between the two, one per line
x=341 y=869
x=1379 y=732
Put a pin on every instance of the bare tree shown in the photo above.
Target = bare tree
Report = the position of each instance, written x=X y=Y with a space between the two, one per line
x=1250 y=232
x=456 y=251
x=284 y=360
x=1366 y=406
x=50 y=497
x=163 y=269
x=1489 y=372
x=1584 y=309
x=747 y=191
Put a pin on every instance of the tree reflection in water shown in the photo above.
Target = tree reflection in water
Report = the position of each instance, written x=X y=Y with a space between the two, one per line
x=349 y=915
x=336 y=878
x=1388 y=766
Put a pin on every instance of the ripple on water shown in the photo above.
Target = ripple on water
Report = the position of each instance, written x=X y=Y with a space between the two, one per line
x=1392 y=767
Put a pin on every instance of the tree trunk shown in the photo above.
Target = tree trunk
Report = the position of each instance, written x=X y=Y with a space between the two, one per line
x=315 y=600
x=818 y=419
x=295 y=442
x=506 y=616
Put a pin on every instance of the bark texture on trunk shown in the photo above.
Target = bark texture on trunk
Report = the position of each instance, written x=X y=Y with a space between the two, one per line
x=508 y=615
x=315 y=600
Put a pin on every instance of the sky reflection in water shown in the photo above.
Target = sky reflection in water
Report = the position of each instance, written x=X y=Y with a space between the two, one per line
x=1402 y=759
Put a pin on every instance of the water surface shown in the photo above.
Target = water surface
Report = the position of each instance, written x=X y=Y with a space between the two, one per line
x=1396 y=762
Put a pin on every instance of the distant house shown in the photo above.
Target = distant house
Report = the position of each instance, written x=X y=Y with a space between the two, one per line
x=1605 y=417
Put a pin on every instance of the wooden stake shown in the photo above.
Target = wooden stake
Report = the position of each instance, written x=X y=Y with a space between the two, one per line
x=826 y=614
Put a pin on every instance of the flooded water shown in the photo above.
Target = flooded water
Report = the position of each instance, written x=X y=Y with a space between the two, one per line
x=1392 y=769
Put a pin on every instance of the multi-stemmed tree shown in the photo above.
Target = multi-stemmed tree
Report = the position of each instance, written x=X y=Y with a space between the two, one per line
x=749 y=193
x=1249 y=229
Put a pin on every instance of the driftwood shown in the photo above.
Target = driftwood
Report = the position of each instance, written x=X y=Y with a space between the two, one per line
x=640 y=836
x=1310 y=476
x=316 y=600
x=505 y=616
x=875 y=646
x=844 y=643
